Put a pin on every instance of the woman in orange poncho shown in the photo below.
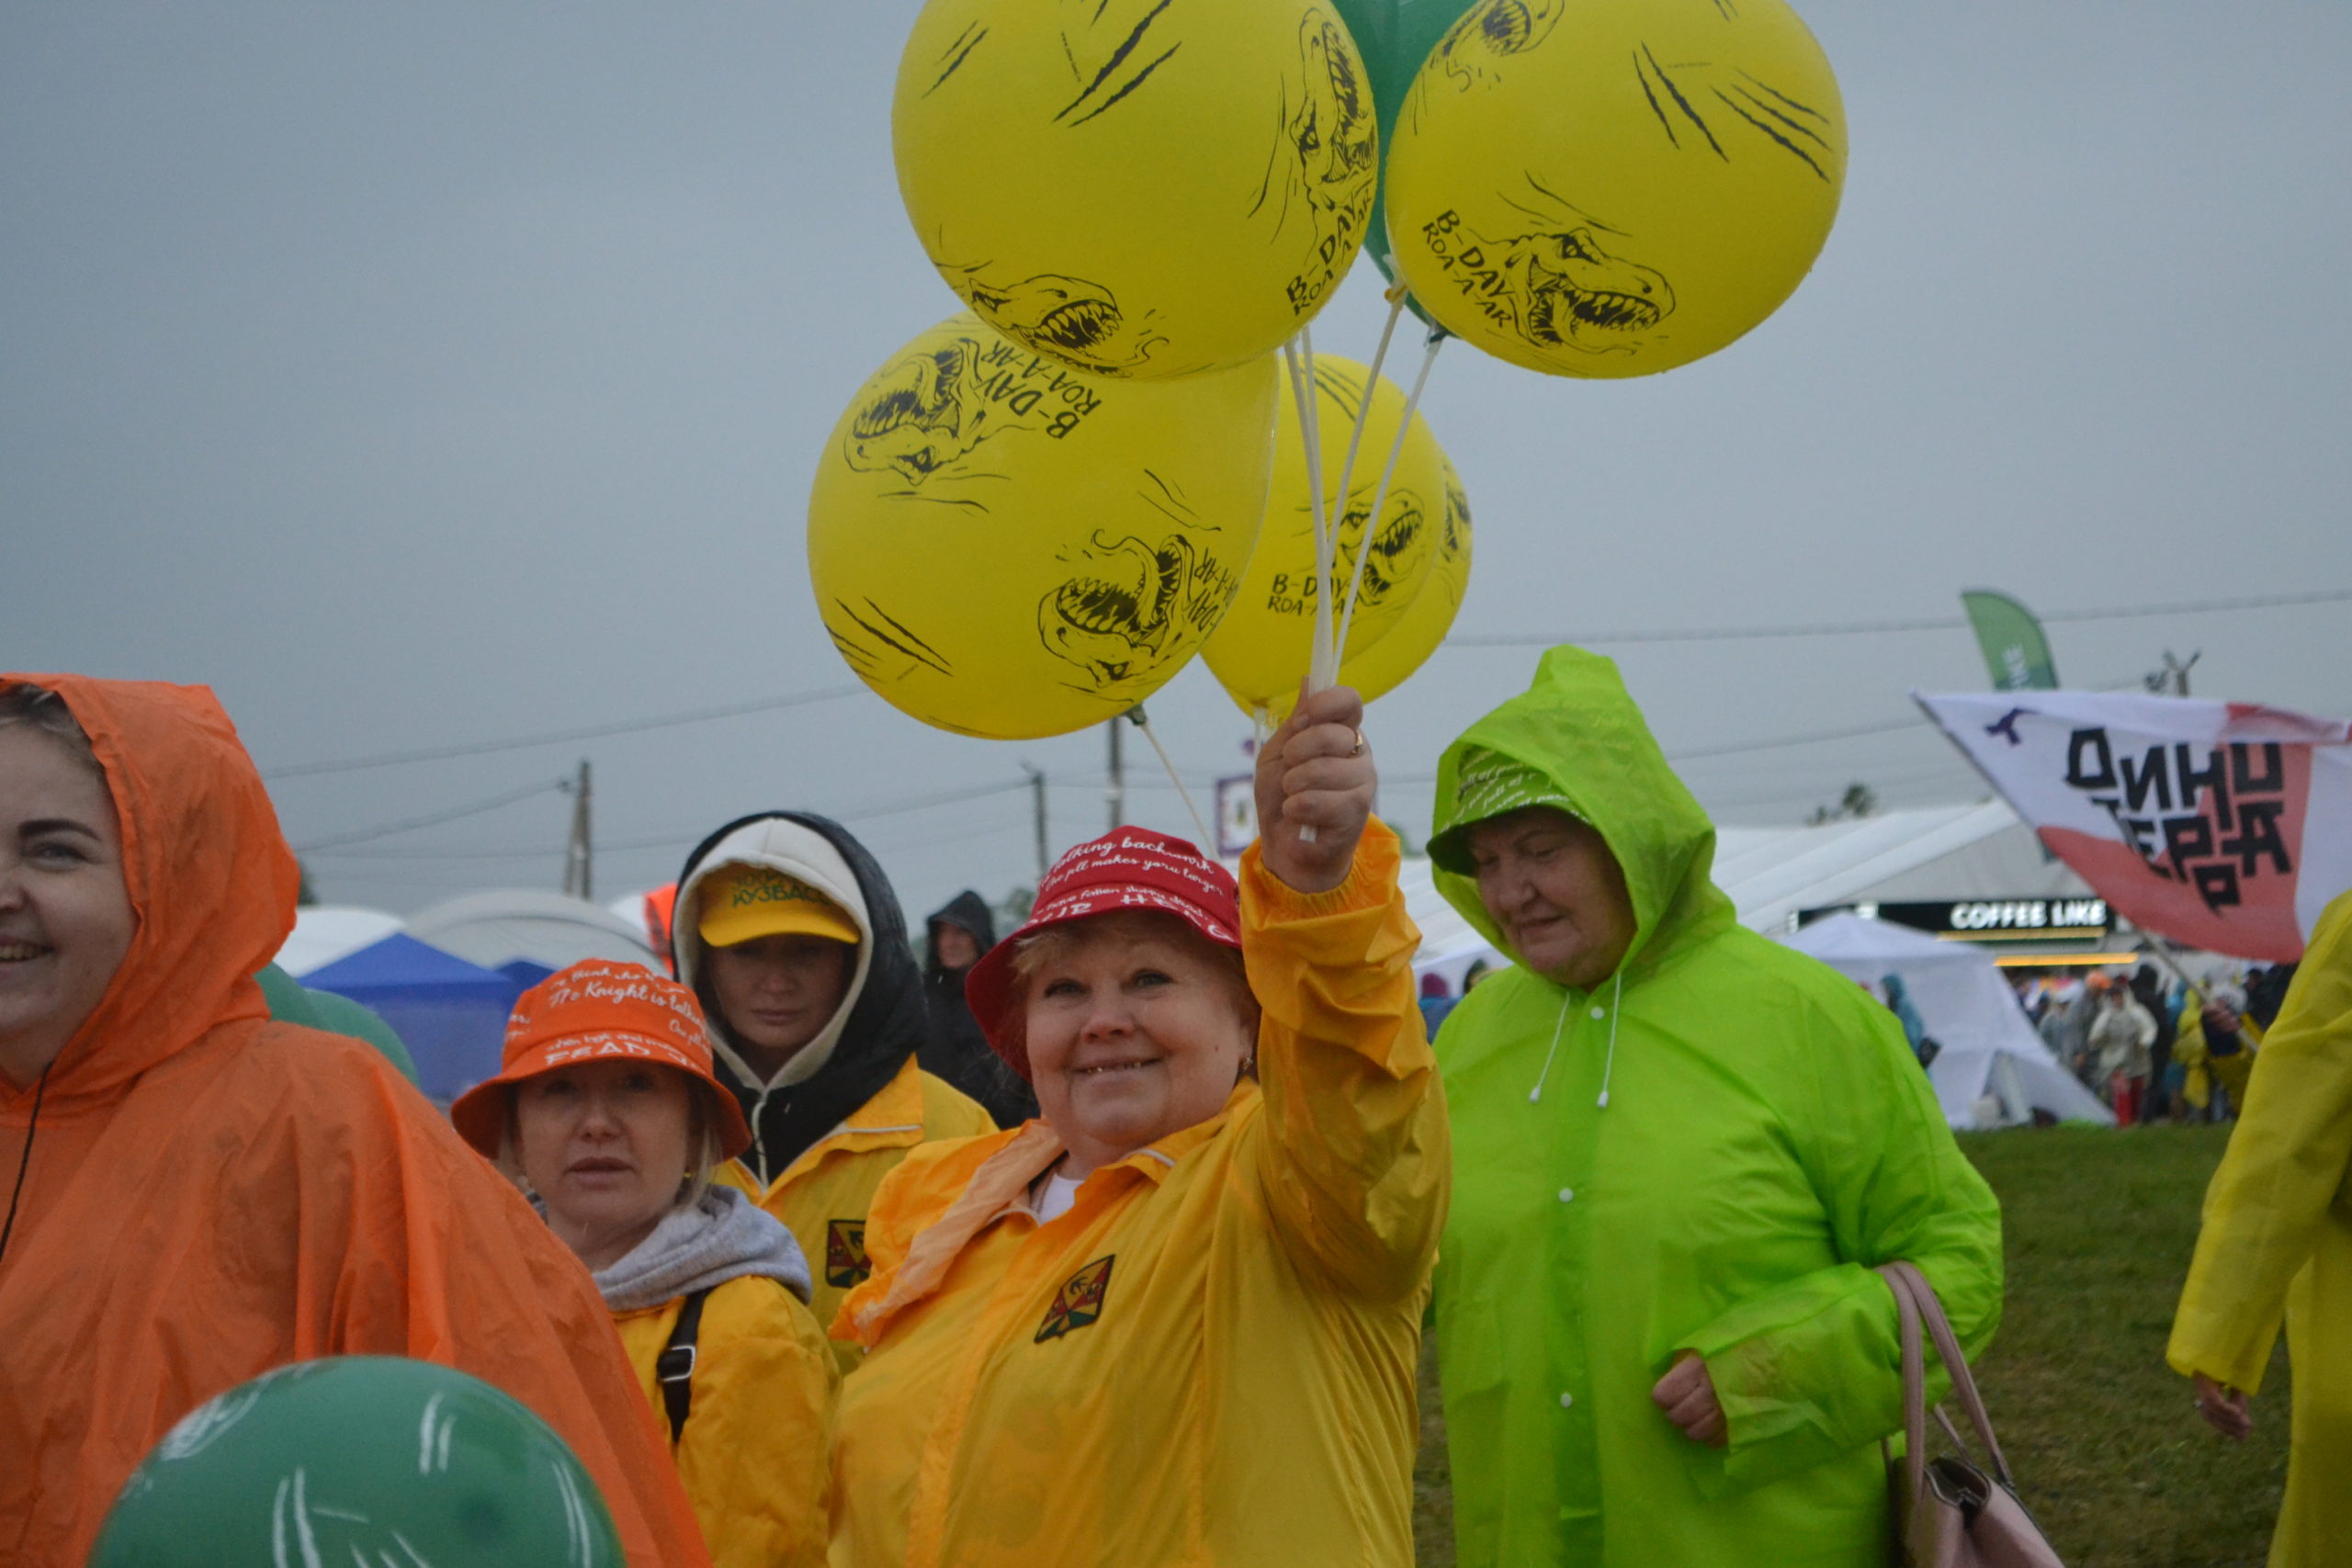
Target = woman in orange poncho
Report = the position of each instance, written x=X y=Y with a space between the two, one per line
x=195 y=1193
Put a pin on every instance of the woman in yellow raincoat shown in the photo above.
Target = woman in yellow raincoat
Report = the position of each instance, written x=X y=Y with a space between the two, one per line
x=788 y=931
x=2207 y=1021
x=607 y=1107
x=1176 y=1320
x=2278 y=1242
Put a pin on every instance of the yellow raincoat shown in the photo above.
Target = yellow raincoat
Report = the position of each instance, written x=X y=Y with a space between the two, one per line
x=2201 y=1068
x=1209 y=1360
x=765 y=1381
x=2278 y=1239
x=823 y=1197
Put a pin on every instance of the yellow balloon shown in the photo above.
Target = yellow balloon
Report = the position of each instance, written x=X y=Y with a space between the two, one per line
x=1390 y=662
x=1001 y=547
x=1613 y=187
x=1139 y=188
x=1260 y=651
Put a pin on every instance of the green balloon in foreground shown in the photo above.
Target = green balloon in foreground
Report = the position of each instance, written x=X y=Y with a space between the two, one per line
x=360 y=1458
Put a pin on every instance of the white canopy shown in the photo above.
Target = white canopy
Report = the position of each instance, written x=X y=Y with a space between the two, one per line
x=324 y=932
x=1994 y=1070
x=1772 y=872
x=1449 y=944
x=549 y=928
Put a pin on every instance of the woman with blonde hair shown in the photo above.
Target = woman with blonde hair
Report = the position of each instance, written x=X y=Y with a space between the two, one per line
x=1177 y=1318
x=606 y=1109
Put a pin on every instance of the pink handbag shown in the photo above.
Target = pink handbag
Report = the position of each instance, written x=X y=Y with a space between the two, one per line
x=1949 y=1513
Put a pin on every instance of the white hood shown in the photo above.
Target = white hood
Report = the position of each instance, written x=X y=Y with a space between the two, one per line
x=785 y=846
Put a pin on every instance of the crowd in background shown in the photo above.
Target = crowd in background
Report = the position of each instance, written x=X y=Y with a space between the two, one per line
x=2153 y=1046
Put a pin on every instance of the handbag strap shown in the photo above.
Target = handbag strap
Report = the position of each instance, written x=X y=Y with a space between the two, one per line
x=1910 y=1285
x=1914 y=1390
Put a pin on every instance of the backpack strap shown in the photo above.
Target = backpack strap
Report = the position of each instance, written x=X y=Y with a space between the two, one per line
x=674 y=1368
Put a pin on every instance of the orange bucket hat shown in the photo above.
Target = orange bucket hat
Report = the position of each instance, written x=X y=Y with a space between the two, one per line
x=592 y=1011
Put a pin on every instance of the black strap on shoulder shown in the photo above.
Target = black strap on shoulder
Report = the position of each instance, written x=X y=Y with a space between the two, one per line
x=674 y=1370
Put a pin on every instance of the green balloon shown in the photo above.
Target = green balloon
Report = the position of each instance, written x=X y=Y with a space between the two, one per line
x=360 y=1458
x=1394 y=36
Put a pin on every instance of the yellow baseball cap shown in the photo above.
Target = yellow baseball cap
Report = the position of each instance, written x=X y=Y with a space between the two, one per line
x=744 y=903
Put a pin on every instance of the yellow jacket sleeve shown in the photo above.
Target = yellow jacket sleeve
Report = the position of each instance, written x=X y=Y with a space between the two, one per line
x=2287 y=1165
x=1351 y=1155
x=753 y=1454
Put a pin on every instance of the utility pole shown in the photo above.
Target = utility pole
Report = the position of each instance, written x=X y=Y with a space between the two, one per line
x=1114 y=790
x=1037 y=796
x=2172 y=681
x=579 y=855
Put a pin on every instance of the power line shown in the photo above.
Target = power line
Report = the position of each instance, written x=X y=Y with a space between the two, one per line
x=563 y=737
x=1745 y=747
x=1931 y=623
x=436 y=819
x=617 y=846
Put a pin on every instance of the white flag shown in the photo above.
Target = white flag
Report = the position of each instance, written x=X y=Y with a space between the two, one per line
x=2226 y=826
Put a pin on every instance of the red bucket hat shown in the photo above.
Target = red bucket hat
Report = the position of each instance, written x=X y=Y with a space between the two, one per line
x=600 y=1010
x=1127 y=868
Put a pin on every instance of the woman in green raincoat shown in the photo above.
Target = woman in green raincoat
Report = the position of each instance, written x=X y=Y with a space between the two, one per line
x=1680 y=1150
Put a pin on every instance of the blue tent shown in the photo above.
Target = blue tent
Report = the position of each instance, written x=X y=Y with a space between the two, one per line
x=526 y=973
x=450 y=1013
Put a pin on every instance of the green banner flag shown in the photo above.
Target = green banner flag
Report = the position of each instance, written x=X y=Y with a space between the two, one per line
x=2015 y=649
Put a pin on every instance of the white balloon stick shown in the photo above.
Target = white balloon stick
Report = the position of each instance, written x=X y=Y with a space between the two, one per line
x=1380 y=496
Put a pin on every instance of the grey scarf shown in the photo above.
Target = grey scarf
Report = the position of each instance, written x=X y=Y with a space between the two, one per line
x=723 y=1237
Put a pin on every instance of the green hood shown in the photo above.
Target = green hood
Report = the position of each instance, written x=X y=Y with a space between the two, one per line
x=1578 y=728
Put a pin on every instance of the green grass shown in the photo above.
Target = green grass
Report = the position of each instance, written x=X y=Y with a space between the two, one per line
x=2107 y=1446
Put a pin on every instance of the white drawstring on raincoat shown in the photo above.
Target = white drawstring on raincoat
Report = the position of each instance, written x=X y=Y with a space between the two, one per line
x=1535 y=1095
x=1616 y=1006
x=1609 y=1066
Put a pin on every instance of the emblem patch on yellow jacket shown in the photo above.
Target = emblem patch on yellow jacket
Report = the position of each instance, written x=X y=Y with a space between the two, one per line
x=1080 y=1300
x=845 y=1260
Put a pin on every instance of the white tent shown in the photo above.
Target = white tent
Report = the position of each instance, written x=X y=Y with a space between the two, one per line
x=1936 y=851
x=1449 y=944
x=324 y=932
x=551 y=930
x=1994 y=1070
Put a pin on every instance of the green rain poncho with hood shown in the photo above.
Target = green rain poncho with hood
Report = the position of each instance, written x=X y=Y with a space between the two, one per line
x=1709 y=1150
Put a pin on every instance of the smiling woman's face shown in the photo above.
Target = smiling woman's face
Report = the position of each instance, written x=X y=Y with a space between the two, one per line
x=606 y=1145
x=1136 y=1028
x=65 y=916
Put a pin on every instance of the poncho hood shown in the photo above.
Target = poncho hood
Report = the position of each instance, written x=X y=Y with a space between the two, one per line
x=970 y=911
x=883 y=1018
x=212 y=882
x=206 y=1193
x=722 y=1236
x=1578 y=727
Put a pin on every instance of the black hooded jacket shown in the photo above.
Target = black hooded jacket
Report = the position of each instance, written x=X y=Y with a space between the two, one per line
x=887 y=1023
x=957 y=1052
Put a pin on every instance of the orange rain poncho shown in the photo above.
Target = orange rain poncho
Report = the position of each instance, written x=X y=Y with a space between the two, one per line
x=212 y=1194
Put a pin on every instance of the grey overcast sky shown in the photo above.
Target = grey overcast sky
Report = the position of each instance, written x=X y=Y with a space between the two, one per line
x=431 y=374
